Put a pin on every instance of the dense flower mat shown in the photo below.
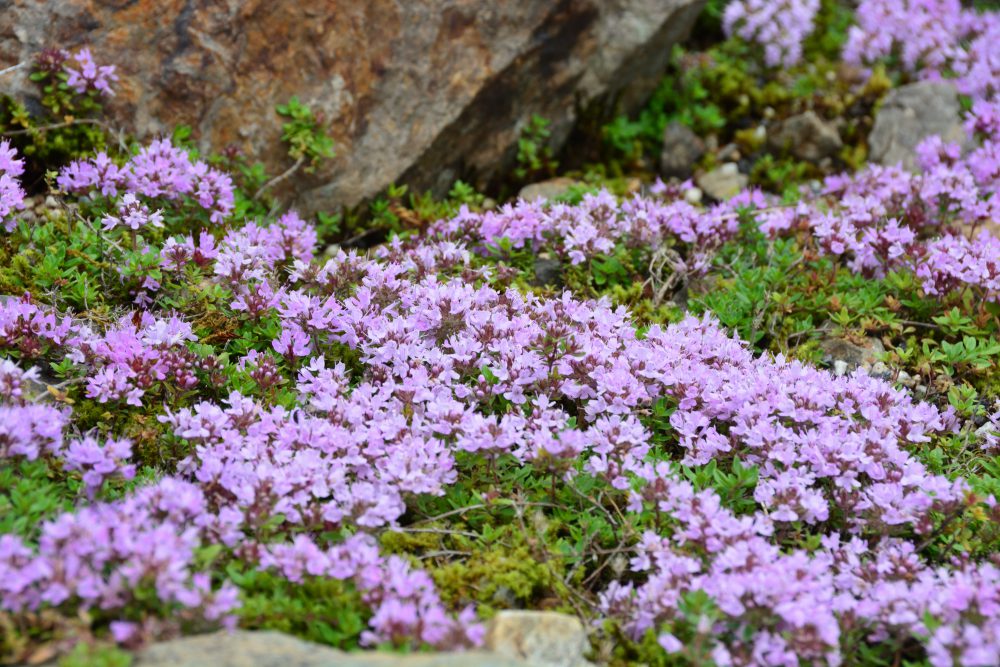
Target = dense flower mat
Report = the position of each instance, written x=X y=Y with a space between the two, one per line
x=365 y=382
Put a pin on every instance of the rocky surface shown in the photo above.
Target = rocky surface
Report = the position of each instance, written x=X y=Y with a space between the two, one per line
x=844 y=356
x=273 y=649
x=911 y=113
x=542 y=638
x=548 y=271
x=806 y=136
x=723 y=182
x=420 y=91
x=682 y=148
x=550 y=189
x=513 y=639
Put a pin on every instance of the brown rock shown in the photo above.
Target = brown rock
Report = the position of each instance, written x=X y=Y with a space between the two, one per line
x=417 y=91
x=806 y=136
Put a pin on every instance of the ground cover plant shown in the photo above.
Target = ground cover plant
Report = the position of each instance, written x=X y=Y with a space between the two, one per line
x=211 y=415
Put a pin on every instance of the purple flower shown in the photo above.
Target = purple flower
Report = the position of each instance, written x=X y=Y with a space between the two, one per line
x=11 y=192
x=97 y=463
x=778 y=26
x=83 y=75
x=133 y=214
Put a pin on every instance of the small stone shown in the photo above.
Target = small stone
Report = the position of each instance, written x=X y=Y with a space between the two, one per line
x=730 y=152
x=543 y=638
x=693 y=195
x=51 y=202
x=547 y=190
x=880 y=370
x=837 y=351
x=839 y=367
x=984 y=431
x=548 y=272
x=682 y=149
x=724 y=182
x=910 y=114
x=805 y=136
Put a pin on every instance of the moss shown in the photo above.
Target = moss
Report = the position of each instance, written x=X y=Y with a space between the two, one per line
x=324 y=610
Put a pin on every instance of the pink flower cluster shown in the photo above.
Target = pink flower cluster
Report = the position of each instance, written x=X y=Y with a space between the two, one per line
x=31 y=431
x=439 y=347
x=932 y=38
x=11 y=192
x=29 y=328
x=777 y=26
x=133 y=214
x=123 y=363
x=84 y=75
x=108 y=556
x=131 y=357
x=596 y=225
x=885 y=218
x=158 y=171
x=792 y=607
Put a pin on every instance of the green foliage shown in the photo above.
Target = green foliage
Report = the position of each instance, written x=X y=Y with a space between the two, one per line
x=399 y=211
x=832 y=22
x=304 y=133
x=67 y=126
x=90 y=655
x=30 y=493
x=534 y=152
x=969 y=354
x=726 y=92
x=735 y=486
x=781 y=174
x=322 y=610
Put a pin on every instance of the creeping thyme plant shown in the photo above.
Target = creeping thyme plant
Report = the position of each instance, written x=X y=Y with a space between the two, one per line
x=211 y=417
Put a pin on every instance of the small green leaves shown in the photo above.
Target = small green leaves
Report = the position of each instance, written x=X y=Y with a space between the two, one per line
x=534 y=153
x=304 y=133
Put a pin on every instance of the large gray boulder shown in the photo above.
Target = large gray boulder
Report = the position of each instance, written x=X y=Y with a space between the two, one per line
x=415 y=91
x=908 y=115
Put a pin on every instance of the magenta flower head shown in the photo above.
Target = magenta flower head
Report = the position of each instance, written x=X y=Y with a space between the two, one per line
x=779 y=26
x=11 y=192
x=133 y=214
x=99 y=173
x=84 y=75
